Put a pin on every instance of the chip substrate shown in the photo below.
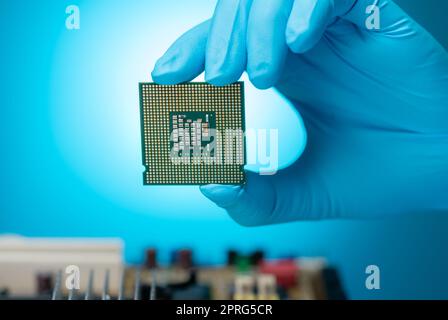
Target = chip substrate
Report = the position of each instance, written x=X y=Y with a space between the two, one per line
x=192 y=133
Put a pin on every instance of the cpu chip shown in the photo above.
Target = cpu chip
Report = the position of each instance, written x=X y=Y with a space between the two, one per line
x=192 y=133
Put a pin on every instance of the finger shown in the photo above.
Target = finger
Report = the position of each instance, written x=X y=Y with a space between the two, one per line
x=222 y=195
x=226 y=45
x=266 y=45
x=248 y=205
x=185 y=59
x=266 y=200
x=307 y=23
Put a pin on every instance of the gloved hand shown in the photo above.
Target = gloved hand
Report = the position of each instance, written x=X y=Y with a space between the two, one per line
x=374 y=103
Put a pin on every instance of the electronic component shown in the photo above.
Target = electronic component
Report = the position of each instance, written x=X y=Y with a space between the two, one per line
x=267 y=287
x=244 y=287
x=183 y=258
x=192 y=133
x=150 y=258
x=285 y=271
x=247 y=276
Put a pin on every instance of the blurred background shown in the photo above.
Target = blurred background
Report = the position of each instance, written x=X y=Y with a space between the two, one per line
x=70 y=163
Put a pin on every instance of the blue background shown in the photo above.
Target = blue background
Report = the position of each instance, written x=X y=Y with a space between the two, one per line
x=70 y=160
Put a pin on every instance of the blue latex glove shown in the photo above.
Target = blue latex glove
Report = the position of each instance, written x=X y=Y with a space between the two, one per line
x=374 y=103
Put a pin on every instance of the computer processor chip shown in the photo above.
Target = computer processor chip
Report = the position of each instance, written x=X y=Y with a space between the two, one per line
x=192 y=133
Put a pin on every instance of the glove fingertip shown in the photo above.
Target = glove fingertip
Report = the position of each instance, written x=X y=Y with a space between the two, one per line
x=264 y=77
x=222 y=195
x=170 y=73
x=164 y=71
